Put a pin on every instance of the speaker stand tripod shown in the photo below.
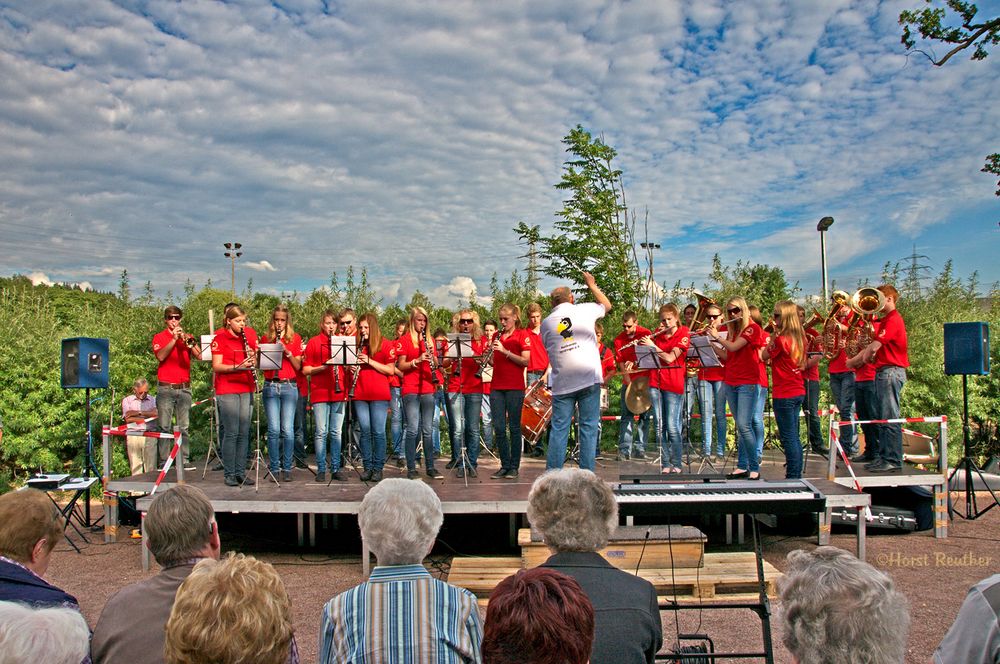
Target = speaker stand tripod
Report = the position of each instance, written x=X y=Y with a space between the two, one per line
x=968 y=465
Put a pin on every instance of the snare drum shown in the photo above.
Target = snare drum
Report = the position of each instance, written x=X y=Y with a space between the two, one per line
x=536 y=411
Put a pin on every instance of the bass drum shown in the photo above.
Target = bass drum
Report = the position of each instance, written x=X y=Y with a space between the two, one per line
x=536 y=412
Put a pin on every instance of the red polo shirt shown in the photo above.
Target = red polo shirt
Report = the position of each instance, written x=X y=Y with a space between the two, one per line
x=230 y=347
x=892 y=334
x=176 y=366
x=323 y=384
x=506 y=374
x=785 y=372
x=743 y=366
x=671 y=378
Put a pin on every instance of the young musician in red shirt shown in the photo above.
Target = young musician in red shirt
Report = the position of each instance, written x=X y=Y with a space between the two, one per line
x=866 y=401
x=327 y=394
x=465 y=396
x=624 y=345
x=281 y=392
x=414 y=358
x=490 y=328
x=234 y=361
x=712 y=395
x=173 y=392
x=889 y=353
x=667 y=385
x=810 y=376
x=370 y=387
x=740 y=351
x=511 y=352
x=538 y=364
x=786 y=351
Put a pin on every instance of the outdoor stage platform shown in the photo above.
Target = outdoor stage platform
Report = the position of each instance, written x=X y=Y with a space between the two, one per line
x=480 y=495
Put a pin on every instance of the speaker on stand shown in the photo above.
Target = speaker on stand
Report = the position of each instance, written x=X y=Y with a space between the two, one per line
x=967 y=352
x=84 y=365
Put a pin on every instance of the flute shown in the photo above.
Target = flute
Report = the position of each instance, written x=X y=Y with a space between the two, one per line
x=636 y=342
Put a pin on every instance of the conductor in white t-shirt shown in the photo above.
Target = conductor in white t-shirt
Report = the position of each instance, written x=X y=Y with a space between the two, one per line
x=575 y=377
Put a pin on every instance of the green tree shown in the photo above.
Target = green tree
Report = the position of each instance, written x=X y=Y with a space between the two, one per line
x=592 y=231
x=760 y=285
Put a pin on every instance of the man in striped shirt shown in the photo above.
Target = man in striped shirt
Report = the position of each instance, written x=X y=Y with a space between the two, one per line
x=402 y=613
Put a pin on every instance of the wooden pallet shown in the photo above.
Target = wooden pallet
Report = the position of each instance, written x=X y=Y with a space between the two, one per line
x=630 y=549
x=726 y=576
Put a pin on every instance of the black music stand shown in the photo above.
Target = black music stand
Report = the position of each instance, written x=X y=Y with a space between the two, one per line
x=344 y=353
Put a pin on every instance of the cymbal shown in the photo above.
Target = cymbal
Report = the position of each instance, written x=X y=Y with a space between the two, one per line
x=637 y=398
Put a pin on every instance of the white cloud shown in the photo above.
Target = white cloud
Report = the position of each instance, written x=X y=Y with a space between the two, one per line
x=260 y=266
x=411 y=138
x=40 y=278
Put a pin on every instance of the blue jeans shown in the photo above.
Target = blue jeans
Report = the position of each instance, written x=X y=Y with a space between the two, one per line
x=889 y=383
x=786 y=414
x=712 y=398
x=280 y=400
x=625 y=436
x=867 y=404
x=371 y=416
x=506 y=407
x=691 y=397
x=842 y=389
x=671 y=411
x=813 y=426
x=485 y=414
x=419 y=420
x=588 y=401
x=655 y=408
x=463 y=425
x=234 y=416
x=742 y=403
x=300 y=428
x=758 y=420
x=329 y=418
x=440 y=401
x=171 y=403
x=396 y=424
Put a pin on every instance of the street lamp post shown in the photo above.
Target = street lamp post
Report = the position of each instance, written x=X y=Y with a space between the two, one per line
x=649 y=246
x=232 y=253
x=823 y=226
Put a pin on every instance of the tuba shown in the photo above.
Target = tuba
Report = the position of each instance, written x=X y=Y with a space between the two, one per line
x=867 y=303
x=704 y=302
x=832 y=336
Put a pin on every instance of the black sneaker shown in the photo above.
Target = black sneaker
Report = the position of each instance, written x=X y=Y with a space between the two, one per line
x=499 y=475
x=412 y=474
x=337 y=475
x=460 y=472
x=286 y=476
x=434 y=474
x=376 y=476
x=883 y=466
x=471 y=471
x=639 y=454
x=511 y=474
x=299 y=463
x=231 y=481
x=451 y=464
x=862 y=458
x=367 y=476
x=320 y=477
x=400 y=462
x=245 y=481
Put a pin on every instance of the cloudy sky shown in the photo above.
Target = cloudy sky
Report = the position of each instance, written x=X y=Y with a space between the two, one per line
x=410 y=137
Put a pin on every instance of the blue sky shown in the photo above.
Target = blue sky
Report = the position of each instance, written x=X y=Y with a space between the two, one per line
x=411 y=137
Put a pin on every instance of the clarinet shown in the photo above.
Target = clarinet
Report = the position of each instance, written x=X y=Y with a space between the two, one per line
x=249 y=354
x=432 y=353
x=356 y=369
x=487 y=357
x=336 y=377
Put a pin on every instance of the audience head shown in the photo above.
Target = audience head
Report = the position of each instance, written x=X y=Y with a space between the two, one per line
x=399 y=521
x=30 y=527
x=225 y=610
x=836 y=609
x=538 y=616
x=573 y=509
x=54 y=635
x=180 y=525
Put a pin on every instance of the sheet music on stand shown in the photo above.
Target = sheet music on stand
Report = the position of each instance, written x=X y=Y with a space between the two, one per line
x=647 y=357
x=343 y=351
x=702 y=348
x=204 y=348
x=460 y=345
x=270 y=357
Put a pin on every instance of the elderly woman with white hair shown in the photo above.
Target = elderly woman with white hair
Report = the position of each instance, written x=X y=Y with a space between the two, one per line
x=402 y=613
x=836 y=609
x=576 y=512
x=54 y=635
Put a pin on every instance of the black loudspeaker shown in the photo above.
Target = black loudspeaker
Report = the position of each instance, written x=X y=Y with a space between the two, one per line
x=84 y=363
x=967 y=349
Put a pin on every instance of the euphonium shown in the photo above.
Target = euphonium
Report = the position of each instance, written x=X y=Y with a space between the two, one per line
x=866 y=303
x=704 y=302
x=833 y=337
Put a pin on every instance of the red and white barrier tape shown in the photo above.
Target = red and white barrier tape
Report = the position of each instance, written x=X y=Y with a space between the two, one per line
x=122 y=430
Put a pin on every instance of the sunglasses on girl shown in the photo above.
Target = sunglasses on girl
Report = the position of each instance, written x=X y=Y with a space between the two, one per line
x=734 y=310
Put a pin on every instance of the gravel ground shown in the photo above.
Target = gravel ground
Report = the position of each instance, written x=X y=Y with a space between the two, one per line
x=933 y=574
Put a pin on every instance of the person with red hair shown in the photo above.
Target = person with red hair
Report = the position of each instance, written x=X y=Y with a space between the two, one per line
x=538 y=616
